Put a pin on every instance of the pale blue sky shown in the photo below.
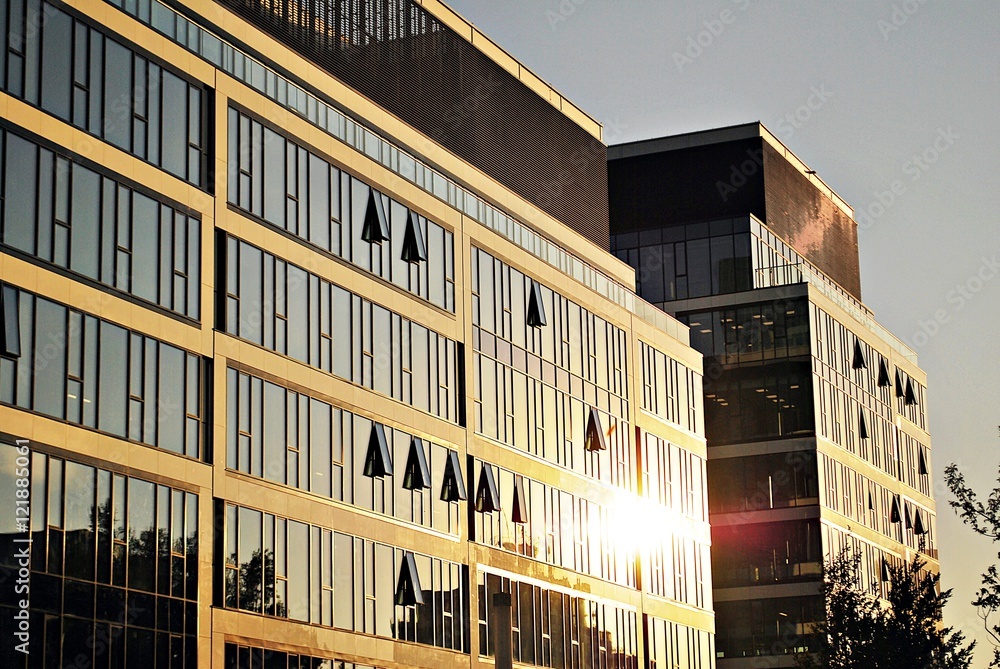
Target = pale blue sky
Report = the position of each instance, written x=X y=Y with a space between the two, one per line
x=903 y=93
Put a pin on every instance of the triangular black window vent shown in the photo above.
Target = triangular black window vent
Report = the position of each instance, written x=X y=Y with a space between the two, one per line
x=378 y=461
x=487 y=497
x=593 y=439
x=519 y=512
x=862 y=425
x=918 y=523
x=910 y=396
x=536 y=310
x=10 y=333
x=899 y=385
x=375 y=228
x=894 y=511
x=871 y=500
x=417 y=475
x=859 y=356
x=885 y=571
x=883 y=373
x=453 y=486
x=414 y=249
x=922 y=464
x=408 y=592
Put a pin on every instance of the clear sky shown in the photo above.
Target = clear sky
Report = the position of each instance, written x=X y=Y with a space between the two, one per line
x=894 y=104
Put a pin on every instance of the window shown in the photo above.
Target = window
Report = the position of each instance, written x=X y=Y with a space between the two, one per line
x=309 y=443
x=100 y=228
x=284 y=308
x=338 y=579
x=304 y=194
x=107 y=378
x=107 y=89
x=11 y=327
x=114 y=565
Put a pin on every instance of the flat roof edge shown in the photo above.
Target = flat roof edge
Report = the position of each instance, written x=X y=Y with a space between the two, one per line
x=727 y=134
x=516 y=68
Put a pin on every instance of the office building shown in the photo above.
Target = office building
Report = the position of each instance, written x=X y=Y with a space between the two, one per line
x=816 y=416
x=311 y=344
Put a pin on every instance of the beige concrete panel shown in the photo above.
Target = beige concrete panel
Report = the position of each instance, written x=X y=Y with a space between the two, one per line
x=294 y=637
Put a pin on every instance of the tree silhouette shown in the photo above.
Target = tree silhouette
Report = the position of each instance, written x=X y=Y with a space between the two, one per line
x=256 y=585
x=984 y=519
x=904 y=631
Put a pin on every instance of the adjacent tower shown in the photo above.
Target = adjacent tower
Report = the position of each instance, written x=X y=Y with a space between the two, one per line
x=816 y=416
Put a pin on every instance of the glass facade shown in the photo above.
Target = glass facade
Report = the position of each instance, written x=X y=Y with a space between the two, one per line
x=86 y=371
x=553 y=628
x=763 y=553
x=758 y=627
x=556 y=527
x=815 y=415
x=758 y=482
x=297 y=190
x=695 y=260
x=743 y=401
x=60 y=62
x=284 y=568
x=70 y=214
x=313 y=105
x=290 y=438
x=549 y=376
x=278 y=305
x=670 y=390
x=677 y=646
x=113 y=567
x=256 y=657
x=852 y=494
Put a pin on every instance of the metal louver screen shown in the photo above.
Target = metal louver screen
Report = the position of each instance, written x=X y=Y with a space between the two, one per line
x=401 y=57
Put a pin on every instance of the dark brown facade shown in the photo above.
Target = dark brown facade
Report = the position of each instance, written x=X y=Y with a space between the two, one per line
x=681 y=180
x=402 y=58
x=810 y=222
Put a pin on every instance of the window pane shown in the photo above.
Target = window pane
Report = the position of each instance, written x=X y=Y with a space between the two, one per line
x=19 y=187
x=274 y=178
x=319 y=441
x=145 y=235
x=251 y=560
x=252 y=298
x=298 y=314
x=50 y=368
x=81 y=519
x=298 y=571
x=141 y=535
x=174 y=124
x=170 y=407
x=112 y=400
x=117 y=94
x=57 y=43
x=274 y=432
x=86 y=214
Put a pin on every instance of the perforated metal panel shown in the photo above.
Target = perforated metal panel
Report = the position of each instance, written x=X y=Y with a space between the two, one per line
x=401 y=57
